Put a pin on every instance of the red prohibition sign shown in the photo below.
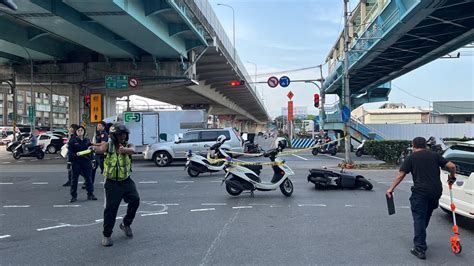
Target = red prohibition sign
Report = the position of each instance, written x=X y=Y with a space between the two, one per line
x=272 y=82
x=133 y=82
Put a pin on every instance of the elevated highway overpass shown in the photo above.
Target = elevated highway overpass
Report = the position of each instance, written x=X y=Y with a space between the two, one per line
x=177 y=49
x=389 y=38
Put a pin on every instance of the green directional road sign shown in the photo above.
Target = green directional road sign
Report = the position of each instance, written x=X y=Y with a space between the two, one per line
x=31 y=113
x=116 y=81
x=131 y=116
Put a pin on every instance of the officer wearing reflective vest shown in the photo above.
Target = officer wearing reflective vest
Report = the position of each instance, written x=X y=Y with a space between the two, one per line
x=118 y=183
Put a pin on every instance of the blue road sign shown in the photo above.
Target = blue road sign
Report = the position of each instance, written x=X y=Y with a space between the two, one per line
x=284 y=81
x=346 y=114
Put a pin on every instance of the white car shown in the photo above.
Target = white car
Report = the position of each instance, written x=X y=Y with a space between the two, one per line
x=51 y=142
x=196 y=140
x=462 y=155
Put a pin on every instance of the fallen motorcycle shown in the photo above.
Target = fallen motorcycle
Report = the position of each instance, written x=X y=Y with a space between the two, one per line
x=323 y=179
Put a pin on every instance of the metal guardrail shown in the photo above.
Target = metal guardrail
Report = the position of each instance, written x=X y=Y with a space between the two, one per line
x=203 y=11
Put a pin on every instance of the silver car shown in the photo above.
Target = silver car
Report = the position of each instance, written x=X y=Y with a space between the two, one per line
x=196 y=140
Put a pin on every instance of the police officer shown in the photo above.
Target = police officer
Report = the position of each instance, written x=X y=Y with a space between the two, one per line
x=71 y=134
x=101 y=137
x=81 y=164
x=118 y=184
x=426 y=190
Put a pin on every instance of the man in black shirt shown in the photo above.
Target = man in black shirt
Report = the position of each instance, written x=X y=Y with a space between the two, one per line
x=424 y=165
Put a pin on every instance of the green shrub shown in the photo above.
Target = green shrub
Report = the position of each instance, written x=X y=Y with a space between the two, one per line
x=458 y=139
x=386 y=150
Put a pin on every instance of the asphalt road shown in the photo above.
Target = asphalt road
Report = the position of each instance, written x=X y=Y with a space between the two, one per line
x=193 y=221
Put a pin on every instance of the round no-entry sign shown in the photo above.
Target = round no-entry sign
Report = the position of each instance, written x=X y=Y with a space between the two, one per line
x=272 y=82
x=133 y=82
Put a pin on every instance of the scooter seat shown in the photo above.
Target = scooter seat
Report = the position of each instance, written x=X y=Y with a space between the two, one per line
x=255 y=168
x=320 y=171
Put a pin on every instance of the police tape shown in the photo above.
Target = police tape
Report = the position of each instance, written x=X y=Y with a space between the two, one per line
x=317 y=145
x=238 y=162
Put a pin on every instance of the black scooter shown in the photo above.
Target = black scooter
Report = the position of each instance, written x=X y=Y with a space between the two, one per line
x=252 y=147
x=325 y=148
x=323 y=179
x=35 y=151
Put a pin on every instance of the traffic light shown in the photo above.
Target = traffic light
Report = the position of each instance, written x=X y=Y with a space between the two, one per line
x=87 y=100
x=316 y=100
x=235 y=83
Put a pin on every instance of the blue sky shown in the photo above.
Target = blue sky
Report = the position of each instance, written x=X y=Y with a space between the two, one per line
x=289 y=34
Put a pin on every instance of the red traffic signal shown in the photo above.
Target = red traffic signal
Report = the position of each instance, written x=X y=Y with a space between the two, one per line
x=87 y=100
x=235 y=83
x=316 y=100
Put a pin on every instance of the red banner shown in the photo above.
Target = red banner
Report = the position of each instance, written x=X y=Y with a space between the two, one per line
x=290 y=110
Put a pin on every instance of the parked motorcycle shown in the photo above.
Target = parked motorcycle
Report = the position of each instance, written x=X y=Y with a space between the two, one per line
x=323 y=178
x=432 y=146
x=252 y=148
x=197 y=164
x=36 y=151
x=360 y=149
x=12 y=145
x=246 y=177
x=322 y=148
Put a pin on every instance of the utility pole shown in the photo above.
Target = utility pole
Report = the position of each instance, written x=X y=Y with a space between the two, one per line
x=346 y=90
x=15 y=104
x=322 y=115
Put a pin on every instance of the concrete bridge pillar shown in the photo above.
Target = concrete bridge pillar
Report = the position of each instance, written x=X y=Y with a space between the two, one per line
x=75 y=100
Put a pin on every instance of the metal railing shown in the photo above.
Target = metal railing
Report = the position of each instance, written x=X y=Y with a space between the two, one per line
x=203 y=11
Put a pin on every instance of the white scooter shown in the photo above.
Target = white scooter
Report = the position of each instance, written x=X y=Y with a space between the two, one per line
x=197 y=164
x=246 y=177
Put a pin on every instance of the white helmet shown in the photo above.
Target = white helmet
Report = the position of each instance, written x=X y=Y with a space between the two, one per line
x=221 y=139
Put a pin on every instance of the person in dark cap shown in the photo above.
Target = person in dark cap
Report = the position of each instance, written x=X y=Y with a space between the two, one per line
x=424 y=166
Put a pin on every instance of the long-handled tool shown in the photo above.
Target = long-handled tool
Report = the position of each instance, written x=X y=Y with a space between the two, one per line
x=455 y=244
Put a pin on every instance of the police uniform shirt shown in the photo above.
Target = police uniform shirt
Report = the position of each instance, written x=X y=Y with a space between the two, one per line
x=76 y=145
x=101 y=136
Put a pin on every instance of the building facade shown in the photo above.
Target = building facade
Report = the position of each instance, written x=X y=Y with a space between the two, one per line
x=453 y=112
x=49 y=108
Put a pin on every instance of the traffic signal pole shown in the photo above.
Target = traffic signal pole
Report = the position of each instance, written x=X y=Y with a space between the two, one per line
x=346 y=95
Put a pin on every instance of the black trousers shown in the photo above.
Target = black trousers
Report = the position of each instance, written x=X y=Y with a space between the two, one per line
x=84 y=168
x=99 y=163
x=115 y=191
x=422 y=207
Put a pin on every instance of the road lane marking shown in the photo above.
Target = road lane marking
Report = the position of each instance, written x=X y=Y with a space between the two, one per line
x=6 y=183
x=302 y=158
x=6 y=162
x=258 y=204
x=148 y=182
x=348 y=205
x=39 y=183
x=334 y=157
x=213 y=204
x=276 y=206
x=53 y=227
x=182 y=182
x=403 y=207
x=203 y=210
x=242 y=207
x=154 y=213
x=16 y=206
x=99 y=220
x=5 y=236
x=66 y=206
x=312 y=205
x=216 y=181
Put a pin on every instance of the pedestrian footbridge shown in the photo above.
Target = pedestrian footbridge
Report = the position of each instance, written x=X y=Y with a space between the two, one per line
x=389 y=38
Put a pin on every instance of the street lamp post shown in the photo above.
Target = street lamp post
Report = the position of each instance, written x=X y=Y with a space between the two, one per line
x=233 y=27
x=33 y=99
x=255 y=79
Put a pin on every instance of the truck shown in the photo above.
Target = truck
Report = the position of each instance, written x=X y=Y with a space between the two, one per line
x=159 y=126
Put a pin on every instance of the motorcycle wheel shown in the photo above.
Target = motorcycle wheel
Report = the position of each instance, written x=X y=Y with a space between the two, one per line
x=287 y=187
x=314 y=152
x=192 y=173
x=16 y=155
x=364 y=183
x=358 y=153
x=232 y=191
x=40 y=155
x=334 y=152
